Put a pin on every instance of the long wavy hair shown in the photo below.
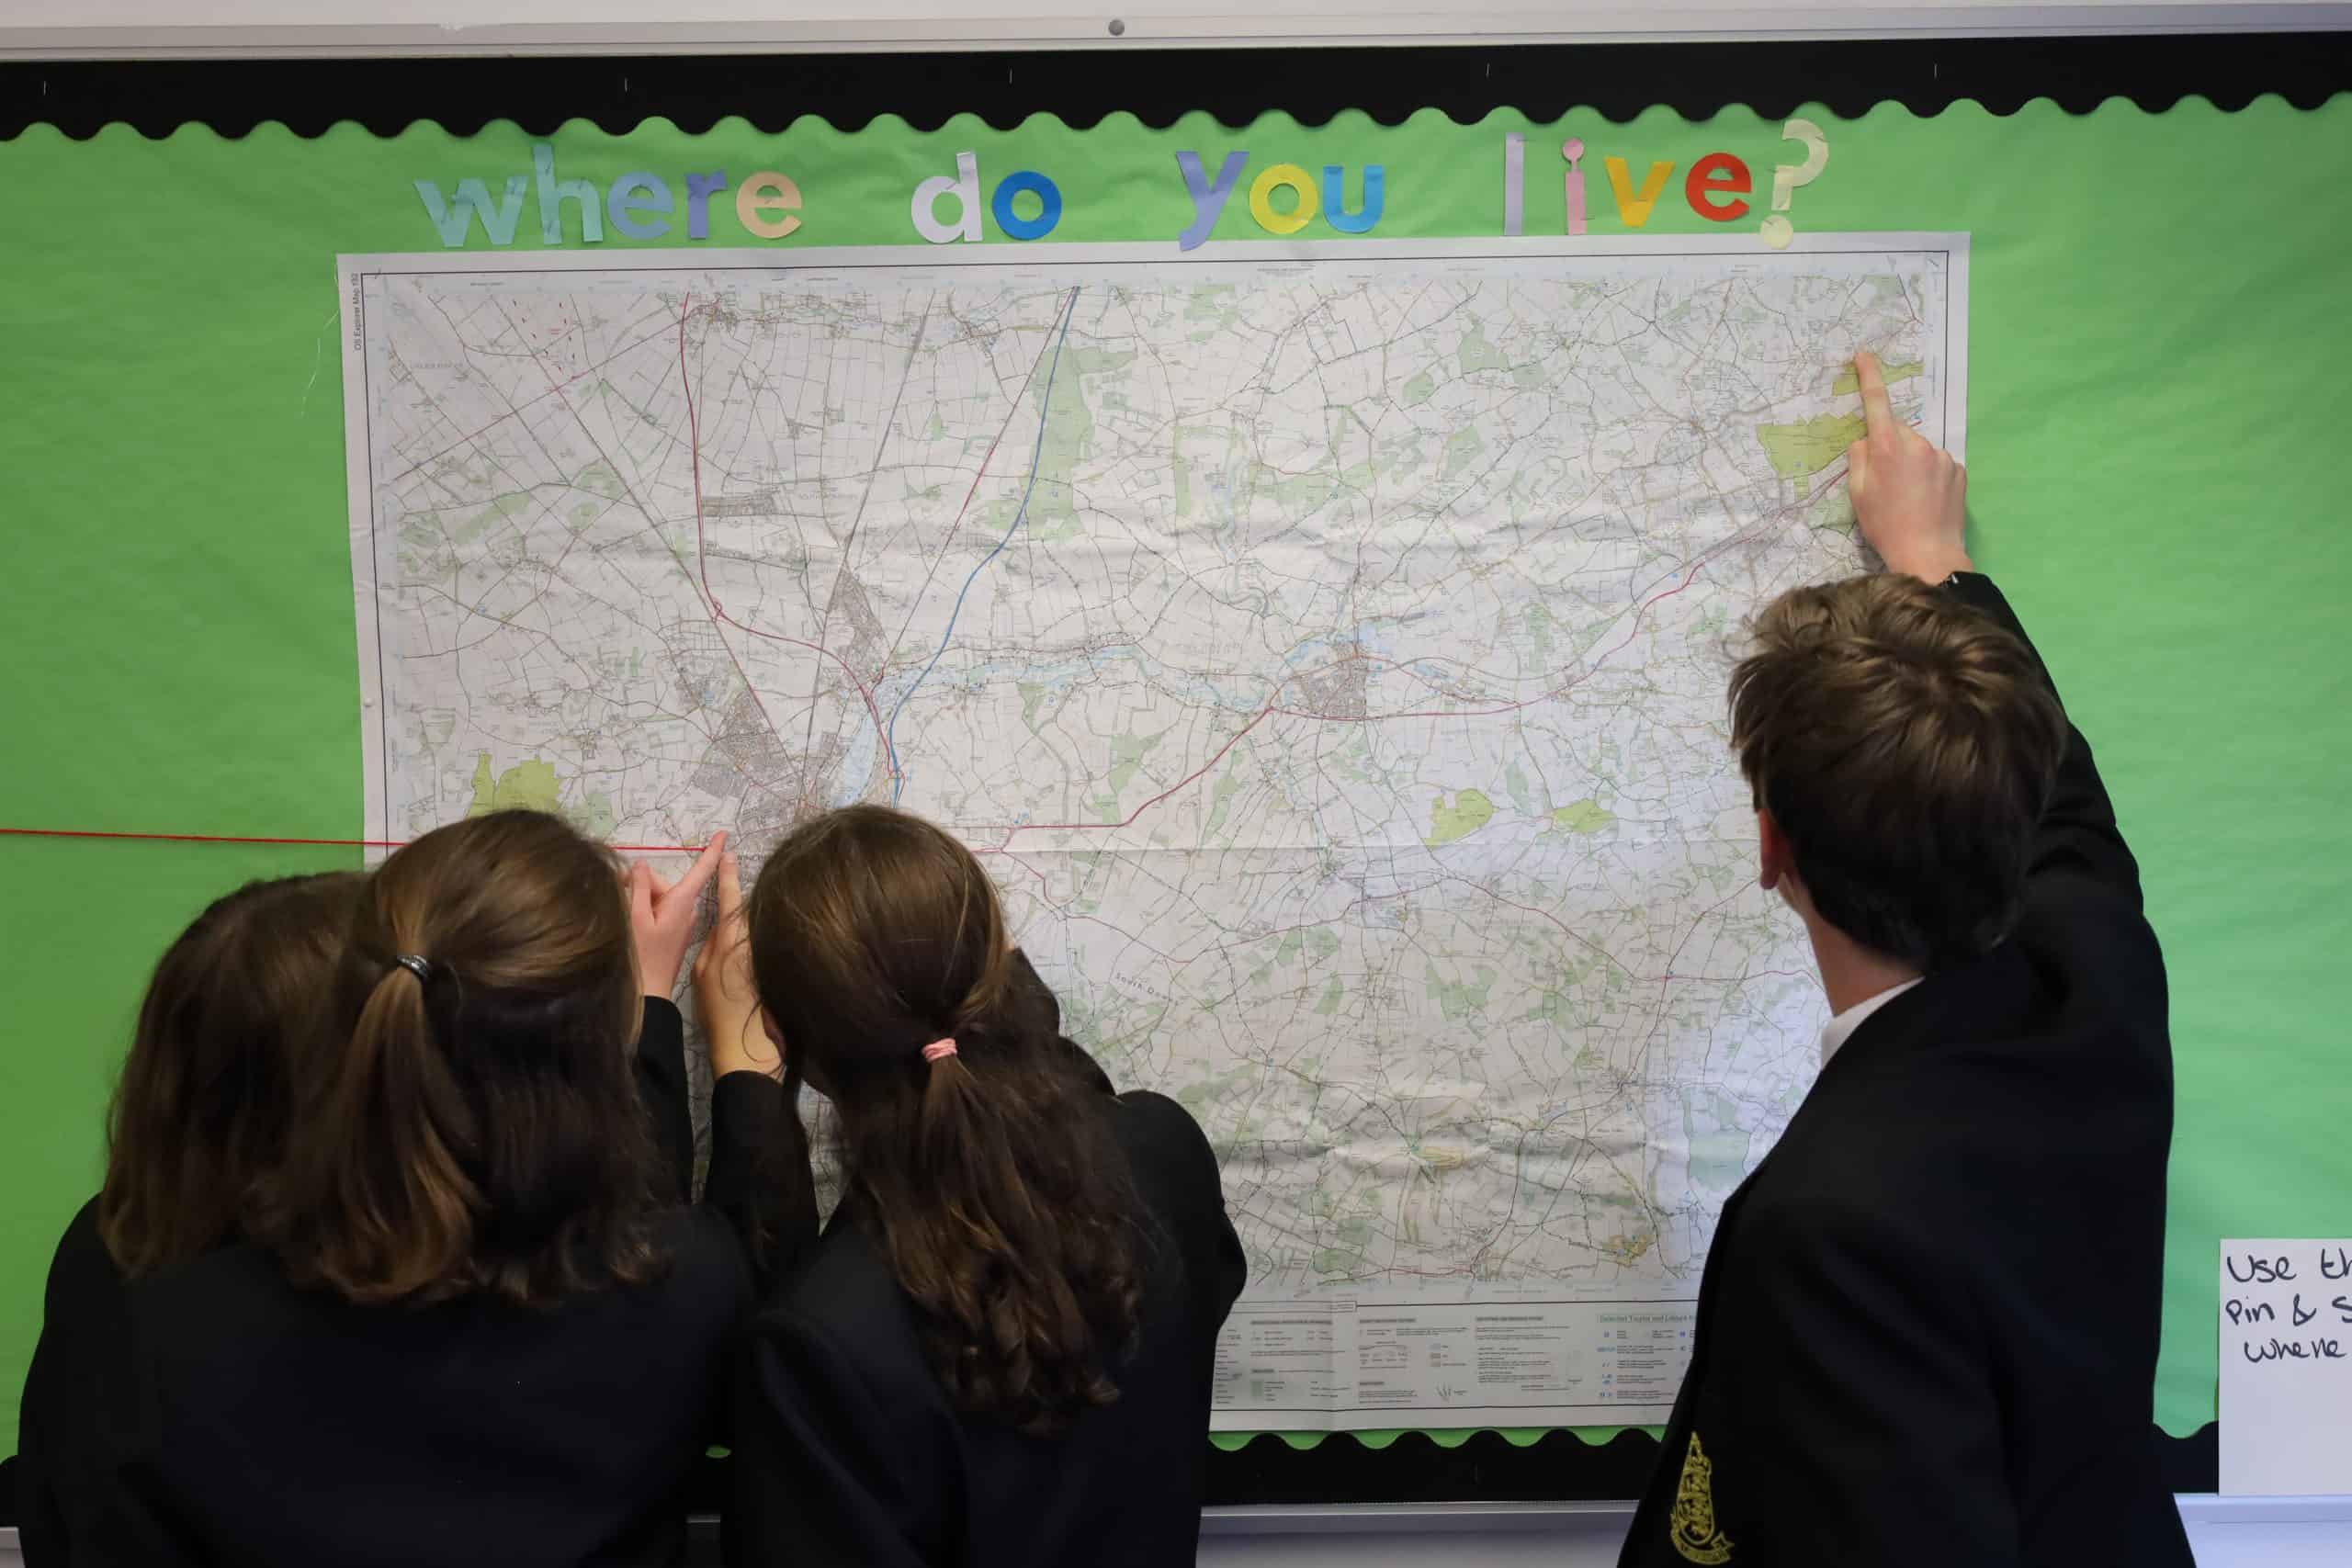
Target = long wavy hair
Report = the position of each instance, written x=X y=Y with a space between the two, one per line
x=476 y=1130
x=200 y=1112
x=1002 y=1201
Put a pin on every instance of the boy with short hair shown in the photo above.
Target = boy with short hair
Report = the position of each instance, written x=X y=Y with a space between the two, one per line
x=1928 y=1327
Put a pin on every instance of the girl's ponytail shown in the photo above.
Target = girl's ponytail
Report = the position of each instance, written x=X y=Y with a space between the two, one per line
x=470 y=1121
x=982 y=1157
x=402 y=1214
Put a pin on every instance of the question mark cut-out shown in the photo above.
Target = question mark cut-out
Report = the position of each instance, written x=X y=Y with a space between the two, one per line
x=1776 y=229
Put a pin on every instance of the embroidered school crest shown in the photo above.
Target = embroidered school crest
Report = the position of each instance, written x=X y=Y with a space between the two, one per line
x=1692 y=1525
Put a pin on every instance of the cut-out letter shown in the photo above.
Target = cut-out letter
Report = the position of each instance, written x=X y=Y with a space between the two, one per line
x=1514 y=183
x=1262 y=199
x=1208 y=200
x=1572 y=184
x=700 y=188
x=965 y=187
x=452 y=217
x=1636 y=210
x=1335 y=212
x=761 y=194
x=554 y=193
x=1712 y=177
x=639 y=192
x=1050 y=198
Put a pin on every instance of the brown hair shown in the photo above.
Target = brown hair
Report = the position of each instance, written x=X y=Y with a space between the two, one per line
x=1001 y=1200
x=201 y=1110
x=1906 y=745
x=476 y=1129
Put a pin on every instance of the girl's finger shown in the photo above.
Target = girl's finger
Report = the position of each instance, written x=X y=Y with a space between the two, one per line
x=689 y=888
x=730 y=889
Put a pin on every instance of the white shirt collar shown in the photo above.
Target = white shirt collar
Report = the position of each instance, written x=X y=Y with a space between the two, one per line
x=1840 y=1029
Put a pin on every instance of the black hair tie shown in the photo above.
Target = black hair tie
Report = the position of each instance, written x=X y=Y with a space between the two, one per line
x=417 y=964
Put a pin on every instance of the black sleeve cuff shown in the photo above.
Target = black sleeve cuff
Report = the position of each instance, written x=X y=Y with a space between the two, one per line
x=660 y=1066
x=664 y=1028
x=1975 y=588
x=758 y=1177
x=746 y=1109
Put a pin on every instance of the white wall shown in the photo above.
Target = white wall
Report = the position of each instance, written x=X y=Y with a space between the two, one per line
x=67 y=28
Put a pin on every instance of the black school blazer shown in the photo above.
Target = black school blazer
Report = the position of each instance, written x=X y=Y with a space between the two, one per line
x=1927 y=1326
x=849 y=1453
x=214 y=1414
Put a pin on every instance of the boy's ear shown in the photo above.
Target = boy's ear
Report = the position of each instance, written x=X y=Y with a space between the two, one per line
x=1775 y=862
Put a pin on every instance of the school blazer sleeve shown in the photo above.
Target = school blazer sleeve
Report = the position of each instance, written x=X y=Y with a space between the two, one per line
x=1186 y=1172
x=2078 y=834
x=47 y=1449
x=1868 y=1430
x=87 y=1425
x=661 y=1067
x=1032 y=991
x=758 y=1179
x=827 y=1472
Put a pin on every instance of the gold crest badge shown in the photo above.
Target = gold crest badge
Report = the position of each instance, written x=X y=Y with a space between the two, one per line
x=1691 y=1526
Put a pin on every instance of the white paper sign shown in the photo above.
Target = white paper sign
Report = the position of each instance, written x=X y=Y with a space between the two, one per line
x=2286 y=1396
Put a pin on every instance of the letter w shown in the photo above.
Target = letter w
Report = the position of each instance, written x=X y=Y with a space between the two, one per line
x=453 y=218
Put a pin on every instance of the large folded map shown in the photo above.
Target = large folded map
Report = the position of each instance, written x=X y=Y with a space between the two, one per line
x=1324 y=645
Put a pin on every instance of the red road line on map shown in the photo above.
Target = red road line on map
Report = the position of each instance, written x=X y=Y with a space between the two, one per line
x=702 y=567
x=1010 y=832
x=264 y=839
x=701 y=564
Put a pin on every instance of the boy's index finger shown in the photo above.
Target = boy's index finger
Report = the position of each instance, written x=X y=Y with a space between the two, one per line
x=1878 y=413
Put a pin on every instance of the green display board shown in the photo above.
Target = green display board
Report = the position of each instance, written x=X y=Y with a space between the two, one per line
x=2156 y=442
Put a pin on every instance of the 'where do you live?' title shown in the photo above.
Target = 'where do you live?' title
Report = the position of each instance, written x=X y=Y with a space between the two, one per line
x=1283 y=200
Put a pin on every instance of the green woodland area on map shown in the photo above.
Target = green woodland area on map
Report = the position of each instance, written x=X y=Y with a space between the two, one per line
x=2156 y=480
x=1802 y=450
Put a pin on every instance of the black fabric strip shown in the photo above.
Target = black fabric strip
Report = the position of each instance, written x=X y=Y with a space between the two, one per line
x=1156 y=85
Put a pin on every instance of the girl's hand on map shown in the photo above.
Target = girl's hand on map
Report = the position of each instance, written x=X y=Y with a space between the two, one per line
x=662 y=917
x=726 y=1000
x=1910 y=498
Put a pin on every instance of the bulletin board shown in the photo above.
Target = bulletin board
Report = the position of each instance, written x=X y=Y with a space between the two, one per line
x=2157 y=474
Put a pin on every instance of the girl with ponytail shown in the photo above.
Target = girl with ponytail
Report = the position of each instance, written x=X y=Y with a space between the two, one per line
x=999 y=1351
x=475 y=1325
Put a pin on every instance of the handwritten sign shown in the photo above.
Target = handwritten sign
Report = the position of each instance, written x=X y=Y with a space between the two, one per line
x=2286 y=1368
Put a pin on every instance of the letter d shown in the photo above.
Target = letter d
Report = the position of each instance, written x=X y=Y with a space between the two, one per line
x=965 y=189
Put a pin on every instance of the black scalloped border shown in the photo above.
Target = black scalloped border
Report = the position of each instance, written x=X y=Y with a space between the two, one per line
x=1236 y=85
x=1557 y=1467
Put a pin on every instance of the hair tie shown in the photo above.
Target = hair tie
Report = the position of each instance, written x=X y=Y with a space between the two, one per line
x=417 y=964
x=938 y=1049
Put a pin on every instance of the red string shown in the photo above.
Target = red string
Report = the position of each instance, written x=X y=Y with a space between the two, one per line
x=251 y=838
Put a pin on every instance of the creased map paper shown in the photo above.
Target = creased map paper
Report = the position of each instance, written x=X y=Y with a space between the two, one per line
x=1324 y=645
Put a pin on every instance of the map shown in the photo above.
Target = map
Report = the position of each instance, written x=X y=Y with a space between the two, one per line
x=1325 y=645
